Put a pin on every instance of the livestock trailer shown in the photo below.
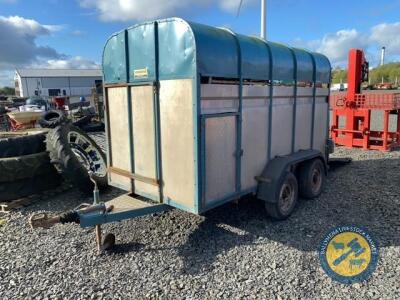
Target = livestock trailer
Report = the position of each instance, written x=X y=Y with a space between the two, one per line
x=197 y=116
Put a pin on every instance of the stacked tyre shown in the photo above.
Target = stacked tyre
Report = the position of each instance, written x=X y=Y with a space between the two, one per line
x=74 y=154
x=25 y=167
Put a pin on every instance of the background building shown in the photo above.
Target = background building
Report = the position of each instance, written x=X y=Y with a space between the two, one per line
x=54 y=82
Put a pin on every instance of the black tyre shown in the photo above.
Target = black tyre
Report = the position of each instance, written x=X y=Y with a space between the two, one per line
x=52 y=119
x=27 y=166
x=74 y=154
x=93 y=127
x=29 y=186
x=311 y=178
x=285 y=198
x=82 y=121
x=22 y=145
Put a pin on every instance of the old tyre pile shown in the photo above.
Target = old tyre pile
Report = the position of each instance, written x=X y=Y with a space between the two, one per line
x=52 y=119
x=25 y=167
x=75 y=154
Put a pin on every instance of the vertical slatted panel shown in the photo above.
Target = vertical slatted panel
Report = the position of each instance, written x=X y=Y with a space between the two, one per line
x=120 y=156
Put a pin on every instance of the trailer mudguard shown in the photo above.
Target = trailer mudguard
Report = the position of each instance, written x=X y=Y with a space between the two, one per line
x=274 y=169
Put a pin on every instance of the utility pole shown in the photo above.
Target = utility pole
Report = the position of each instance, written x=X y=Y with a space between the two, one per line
x=263 y=14
x=263 y=19
x=383 y=50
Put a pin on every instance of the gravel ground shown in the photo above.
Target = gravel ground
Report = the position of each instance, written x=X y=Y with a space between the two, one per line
x=233 y=252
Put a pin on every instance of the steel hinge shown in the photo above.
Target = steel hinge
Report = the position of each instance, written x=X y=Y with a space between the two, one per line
x=238 y=153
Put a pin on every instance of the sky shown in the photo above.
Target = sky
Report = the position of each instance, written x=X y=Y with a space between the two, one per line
x=72 y=33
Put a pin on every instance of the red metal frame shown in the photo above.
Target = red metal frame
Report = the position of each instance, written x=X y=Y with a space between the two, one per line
x=355 y=110
x=15 y=126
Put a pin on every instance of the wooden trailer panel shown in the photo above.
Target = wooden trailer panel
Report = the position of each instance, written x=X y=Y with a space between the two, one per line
x=178 y=143
x=118 y=123
x=144 y=148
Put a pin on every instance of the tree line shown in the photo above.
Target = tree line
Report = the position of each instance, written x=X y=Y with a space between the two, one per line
x=9 y=91
x=387 y=73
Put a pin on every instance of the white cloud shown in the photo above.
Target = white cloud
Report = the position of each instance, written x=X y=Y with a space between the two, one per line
x=78 y=33
x=126 y=10
x=76 y=62
x=336 y=46
x=19 y=48
x=387 y=35
x=18 y=41
x=232 y=6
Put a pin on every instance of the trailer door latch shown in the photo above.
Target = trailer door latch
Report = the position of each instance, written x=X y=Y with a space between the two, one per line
x=239 y=153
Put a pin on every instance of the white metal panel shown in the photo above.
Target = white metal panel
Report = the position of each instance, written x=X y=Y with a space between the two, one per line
x=282 y=120
x=320 y=121
x=283 y=91
x=303 y=123
x=80 y=91
x=144 y=139
x=254 y=140
x=303 y=118
x=320 y=125
x=304 y=91
x=83 y=81
x=177 y=141
x=216 y=106
x=219 y=90
x=321 y=92
x=117 y=104
x=54 y=82
x=219 y=98
x=255 y=91
x=30 y=85
x=220 y=162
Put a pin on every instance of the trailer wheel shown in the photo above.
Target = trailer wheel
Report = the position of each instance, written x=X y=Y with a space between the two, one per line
x=285 y=197
x=74 y=154
x=311 y=178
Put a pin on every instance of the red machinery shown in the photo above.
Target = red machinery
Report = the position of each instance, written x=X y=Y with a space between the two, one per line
x=59 y=102
x=351 y=124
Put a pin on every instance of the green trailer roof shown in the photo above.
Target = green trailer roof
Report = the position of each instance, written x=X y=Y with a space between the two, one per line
x=174 y=48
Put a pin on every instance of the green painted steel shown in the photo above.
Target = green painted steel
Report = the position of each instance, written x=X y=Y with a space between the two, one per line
x=186 y=49
x=141 y=41
x=216 y=49
x=322 y=68
x=304 y=66
x=283 y=64
x=255 y=58
x=177 y=50
x=114 y=59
